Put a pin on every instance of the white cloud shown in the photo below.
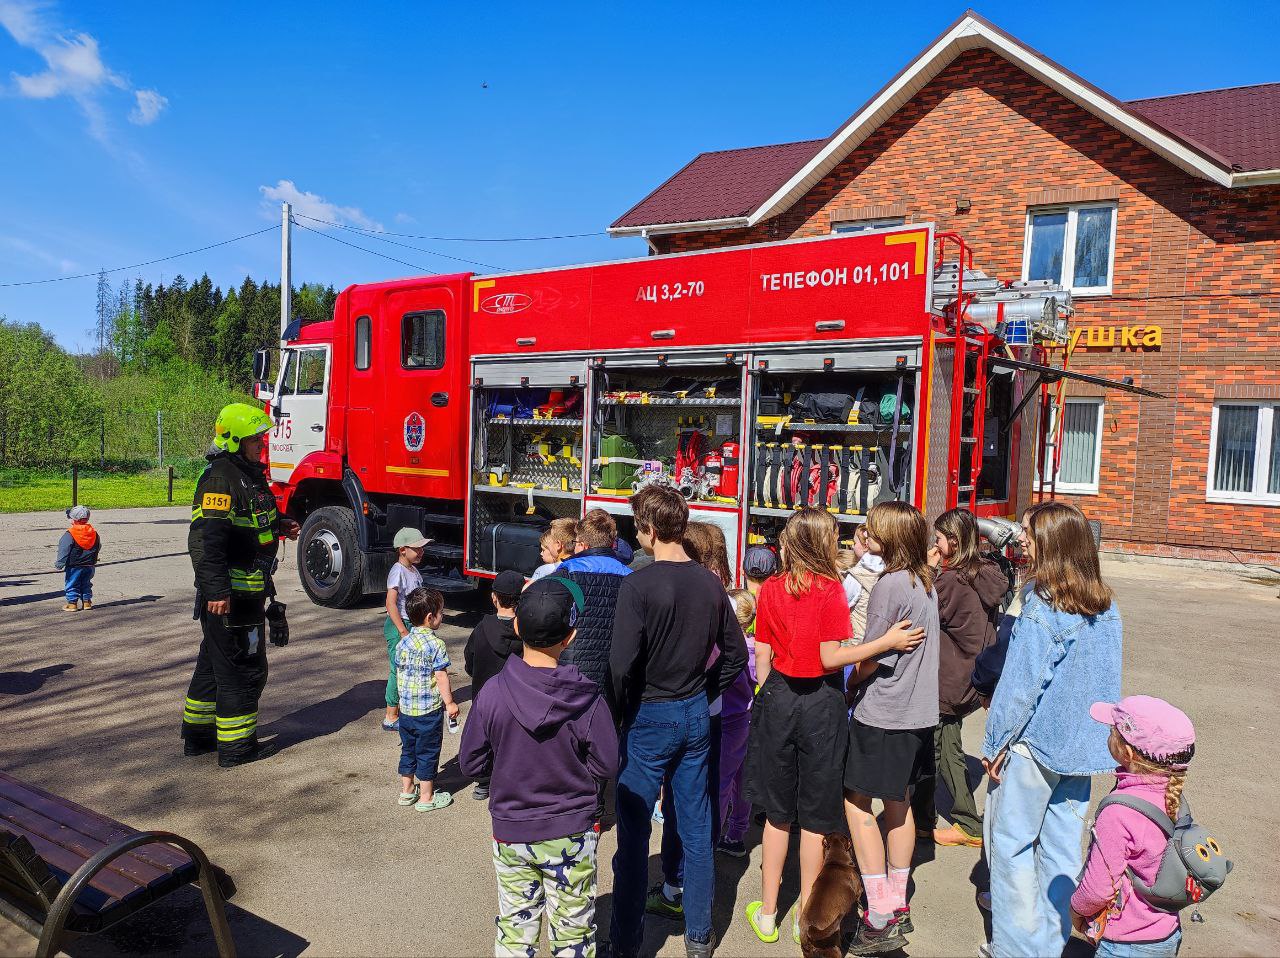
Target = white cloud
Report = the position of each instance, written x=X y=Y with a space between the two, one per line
x=404 y=219
x=150 y=105
x=35 y=254
x=73 y=67
x=309 y=204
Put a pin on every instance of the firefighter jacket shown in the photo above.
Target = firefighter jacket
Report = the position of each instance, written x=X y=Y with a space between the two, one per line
x=234 y=530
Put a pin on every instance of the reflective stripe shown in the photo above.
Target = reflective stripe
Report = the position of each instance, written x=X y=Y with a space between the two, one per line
x=197 y=711
x=242 y=581
x=265 y=537
x=237 y=727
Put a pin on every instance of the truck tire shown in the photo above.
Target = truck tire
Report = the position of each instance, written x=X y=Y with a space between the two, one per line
x=330 y=563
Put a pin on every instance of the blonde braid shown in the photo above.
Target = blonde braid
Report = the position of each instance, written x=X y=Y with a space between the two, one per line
x=1173 y=793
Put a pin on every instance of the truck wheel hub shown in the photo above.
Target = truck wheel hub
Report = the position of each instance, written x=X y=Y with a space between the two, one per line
x=323 y=558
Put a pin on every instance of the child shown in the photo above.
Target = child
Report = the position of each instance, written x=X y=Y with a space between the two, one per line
x=970 y=589
x=1153 y=742
x=1040 y=747
x=859 y=579
x=759 y=564
x=402 y=579
x=557 y=545
x=799 y=722
x=891 y=731
x=671 y=615
x=78 y=554
x=544 y=735
x=491 y=643
x=735 y=726
x=422 y=678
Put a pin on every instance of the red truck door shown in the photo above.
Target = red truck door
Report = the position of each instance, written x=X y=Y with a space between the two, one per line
x=420 y=420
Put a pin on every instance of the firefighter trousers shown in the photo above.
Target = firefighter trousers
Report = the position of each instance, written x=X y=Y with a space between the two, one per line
x=230 y=674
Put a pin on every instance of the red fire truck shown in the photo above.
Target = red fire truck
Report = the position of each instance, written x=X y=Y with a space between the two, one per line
x=835 y=372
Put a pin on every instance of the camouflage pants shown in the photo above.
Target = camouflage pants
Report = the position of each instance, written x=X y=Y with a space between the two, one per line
x=556 y=876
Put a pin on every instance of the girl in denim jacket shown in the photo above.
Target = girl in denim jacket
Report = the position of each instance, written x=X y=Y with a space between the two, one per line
x=1041 y=746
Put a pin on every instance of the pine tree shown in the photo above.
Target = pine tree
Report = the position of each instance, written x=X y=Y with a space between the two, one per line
x=105 y=312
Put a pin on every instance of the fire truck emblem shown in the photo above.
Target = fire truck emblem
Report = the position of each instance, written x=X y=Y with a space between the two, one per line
x=415 y=431
x=503 y=304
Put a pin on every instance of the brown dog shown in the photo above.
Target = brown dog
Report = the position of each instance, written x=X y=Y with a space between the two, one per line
x=835 y=894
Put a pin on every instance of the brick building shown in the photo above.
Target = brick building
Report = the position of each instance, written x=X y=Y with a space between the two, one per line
x=1163 y=214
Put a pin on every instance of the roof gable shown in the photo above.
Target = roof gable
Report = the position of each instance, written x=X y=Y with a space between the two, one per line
x=1201 y=137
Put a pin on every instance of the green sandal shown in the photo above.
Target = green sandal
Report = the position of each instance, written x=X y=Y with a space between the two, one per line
x=408 y=798
x=438 y=800
x=753 y=913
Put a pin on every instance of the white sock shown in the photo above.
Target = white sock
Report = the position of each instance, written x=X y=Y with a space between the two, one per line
x=766 y=923
x=671 y=892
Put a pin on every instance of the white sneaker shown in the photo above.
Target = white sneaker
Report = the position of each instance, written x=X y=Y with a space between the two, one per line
x=984 y=950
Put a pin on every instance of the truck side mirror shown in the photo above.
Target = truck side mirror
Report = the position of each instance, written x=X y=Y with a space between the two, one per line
x=261 y=363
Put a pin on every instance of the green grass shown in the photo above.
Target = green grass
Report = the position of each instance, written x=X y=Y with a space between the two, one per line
x=30 y=490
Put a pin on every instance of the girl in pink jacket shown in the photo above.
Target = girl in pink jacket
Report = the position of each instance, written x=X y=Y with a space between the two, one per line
x=1153 y=742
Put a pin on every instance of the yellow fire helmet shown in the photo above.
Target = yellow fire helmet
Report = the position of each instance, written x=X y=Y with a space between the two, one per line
x=237 y=422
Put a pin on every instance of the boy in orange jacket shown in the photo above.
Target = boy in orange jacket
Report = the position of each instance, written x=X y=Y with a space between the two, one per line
x=78 y=555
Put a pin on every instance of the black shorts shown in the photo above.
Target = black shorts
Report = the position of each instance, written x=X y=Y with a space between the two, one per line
x=887 y=763
x=796 y=751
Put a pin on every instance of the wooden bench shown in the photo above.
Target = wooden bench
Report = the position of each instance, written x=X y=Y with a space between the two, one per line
x=66 y=871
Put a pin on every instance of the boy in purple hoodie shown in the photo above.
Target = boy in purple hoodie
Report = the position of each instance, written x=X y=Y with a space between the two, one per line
x=543 y=735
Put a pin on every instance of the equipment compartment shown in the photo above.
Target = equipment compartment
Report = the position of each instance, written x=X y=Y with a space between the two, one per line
x=526 y=469
x=839 y=440
x=681 y=425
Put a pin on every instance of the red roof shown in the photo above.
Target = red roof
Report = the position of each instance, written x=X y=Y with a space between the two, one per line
x=1236 y=130
x=720 y=185
x=1240 y=124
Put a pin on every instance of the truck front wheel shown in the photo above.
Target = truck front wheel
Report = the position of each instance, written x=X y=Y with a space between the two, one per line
x=330 y=563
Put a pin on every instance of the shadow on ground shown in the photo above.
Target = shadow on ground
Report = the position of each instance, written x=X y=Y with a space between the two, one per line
x=178 y=926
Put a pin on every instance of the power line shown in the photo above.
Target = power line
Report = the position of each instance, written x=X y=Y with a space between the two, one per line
x=152 y=262
x=452 y=239
x=374 y=252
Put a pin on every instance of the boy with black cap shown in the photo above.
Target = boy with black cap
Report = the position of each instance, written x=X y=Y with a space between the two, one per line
x=543 y=735
x=491 y=643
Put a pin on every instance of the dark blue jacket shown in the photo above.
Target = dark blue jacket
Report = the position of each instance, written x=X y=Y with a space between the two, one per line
x=73 y=555
x=599 y=574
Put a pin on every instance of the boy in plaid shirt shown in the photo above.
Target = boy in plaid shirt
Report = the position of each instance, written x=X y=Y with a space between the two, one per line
x=425 y=696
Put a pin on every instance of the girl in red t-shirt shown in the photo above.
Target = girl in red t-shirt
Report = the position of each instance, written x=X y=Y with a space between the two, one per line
x=799 y=725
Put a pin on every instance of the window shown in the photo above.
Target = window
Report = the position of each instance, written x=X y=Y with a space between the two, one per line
x=1244 y=453
x=364 y=341
x=858 y=226
x=1081 y=442
x=1071 y=245
x=422 y=340
x=311 y=363
x=289 y=381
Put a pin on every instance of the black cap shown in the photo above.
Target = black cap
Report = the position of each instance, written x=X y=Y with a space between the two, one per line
x=760 y=562
x=508 y=583
x=548 y=611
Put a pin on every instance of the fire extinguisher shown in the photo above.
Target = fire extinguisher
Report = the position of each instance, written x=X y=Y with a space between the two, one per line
x=712 y=472
x=728 y=470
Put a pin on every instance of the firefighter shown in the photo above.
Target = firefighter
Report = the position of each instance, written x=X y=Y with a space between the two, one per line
x=233 y=541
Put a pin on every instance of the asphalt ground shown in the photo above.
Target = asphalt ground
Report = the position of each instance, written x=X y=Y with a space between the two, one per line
x=327 y=864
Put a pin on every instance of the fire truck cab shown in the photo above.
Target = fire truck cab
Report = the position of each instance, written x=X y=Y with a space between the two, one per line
x=835 y=373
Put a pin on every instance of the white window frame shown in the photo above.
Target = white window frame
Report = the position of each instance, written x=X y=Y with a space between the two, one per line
x=1268 y=433
x=859 y=226
x=1069 y=244
x=1077 y=488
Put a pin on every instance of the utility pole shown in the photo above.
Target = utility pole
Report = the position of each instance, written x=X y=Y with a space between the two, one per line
x=286 y=266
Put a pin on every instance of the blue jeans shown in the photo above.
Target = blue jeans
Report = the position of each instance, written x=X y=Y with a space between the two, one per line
x=420 y=739
x=1140 y=949
x=670 y=740
x=1033 y=828
x=672 y=849
x=79 y=583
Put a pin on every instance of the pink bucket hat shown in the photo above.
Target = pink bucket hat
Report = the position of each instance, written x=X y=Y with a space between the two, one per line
x=1151 y=725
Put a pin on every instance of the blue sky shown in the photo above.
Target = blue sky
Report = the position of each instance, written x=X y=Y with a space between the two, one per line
x=136 y=130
